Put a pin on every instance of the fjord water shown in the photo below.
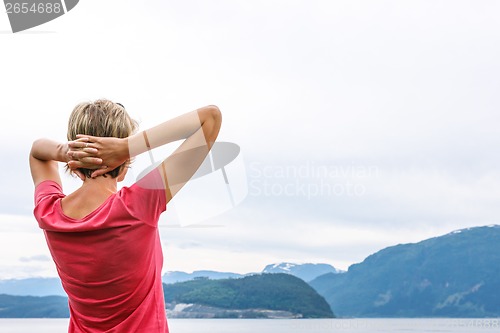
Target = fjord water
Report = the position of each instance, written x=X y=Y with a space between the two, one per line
x=282 y=325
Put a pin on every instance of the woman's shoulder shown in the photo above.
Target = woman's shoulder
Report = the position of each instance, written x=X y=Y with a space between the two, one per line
x=48 y=187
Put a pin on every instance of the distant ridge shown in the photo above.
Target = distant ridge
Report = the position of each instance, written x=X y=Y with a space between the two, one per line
x=33 y=307
x=32 y=287
x=52 y=286
x=306 y=272
x=177 y=276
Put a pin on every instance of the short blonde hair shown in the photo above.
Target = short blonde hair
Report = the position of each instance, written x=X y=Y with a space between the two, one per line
x=102 y=118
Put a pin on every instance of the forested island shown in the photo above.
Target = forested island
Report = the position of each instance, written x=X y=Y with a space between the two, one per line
x=256 y=296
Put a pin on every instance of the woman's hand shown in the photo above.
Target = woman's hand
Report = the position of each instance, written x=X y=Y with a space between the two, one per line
x=100 y=153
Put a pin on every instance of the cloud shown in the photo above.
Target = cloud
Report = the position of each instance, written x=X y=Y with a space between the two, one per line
x=408 y=89
x=22 y=224
x=24 y=271
x=40 y=257
x=24 y=250
x=189 y=245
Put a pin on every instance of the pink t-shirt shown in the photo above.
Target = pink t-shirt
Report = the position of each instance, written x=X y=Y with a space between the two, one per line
x=110 y=261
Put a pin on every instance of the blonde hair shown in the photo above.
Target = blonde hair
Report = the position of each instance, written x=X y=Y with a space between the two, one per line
x=102 y=118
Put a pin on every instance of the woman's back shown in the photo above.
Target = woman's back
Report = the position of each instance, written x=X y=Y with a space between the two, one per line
x=110 y=260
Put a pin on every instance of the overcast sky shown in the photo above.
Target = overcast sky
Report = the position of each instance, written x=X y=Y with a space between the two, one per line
x=362 y=124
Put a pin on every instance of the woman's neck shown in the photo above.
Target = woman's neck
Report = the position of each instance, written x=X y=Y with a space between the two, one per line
x=100 y=184
x=92 y=194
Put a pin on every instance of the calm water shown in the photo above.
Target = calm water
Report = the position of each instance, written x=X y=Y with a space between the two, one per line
x=281 y=325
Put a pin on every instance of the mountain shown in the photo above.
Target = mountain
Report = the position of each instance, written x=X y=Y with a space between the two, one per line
x=32 y=287
x=306 y=272
x=176 y=276
x=455 y=275
x=33 y=307
x=278 y=292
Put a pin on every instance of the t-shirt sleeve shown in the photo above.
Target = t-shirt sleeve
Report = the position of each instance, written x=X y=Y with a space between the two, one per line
x=146 y=198
x=46 y=195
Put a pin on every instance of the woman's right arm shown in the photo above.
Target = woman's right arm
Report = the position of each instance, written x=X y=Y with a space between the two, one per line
x=199 y=128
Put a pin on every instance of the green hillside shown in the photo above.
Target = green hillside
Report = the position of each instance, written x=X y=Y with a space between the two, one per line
x=455 y=275
x=267 y=291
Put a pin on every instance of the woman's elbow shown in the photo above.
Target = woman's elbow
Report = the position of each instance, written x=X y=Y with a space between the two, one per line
x=34 y=146
x=212 y=112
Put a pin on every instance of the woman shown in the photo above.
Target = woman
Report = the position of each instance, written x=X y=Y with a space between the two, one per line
x=105 y=243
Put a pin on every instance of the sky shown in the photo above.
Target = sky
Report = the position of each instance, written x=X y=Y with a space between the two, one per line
x=362 y=124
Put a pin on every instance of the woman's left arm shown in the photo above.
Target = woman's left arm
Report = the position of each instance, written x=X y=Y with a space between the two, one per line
x=44 y=156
